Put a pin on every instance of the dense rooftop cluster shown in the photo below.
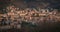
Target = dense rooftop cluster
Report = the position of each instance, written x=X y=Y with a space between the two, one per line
x=15 y=16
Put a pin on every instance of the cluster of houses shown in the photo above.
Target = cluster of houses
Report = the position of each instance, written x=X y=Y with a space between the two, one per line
x=28 y=15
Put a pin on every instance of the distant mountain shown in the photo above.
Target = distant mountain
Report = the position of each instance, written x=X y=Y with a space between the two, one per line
x=37 y=3
x=31 y=3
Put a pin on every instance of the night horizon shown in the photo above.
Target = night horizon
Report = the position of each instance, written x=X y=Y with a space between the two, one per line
x=29 y=15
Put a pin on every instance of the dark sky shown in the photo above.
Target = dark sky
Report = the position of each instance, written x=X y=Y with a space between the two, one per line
x=4 y=3
x=32 y=3
x=38 y=3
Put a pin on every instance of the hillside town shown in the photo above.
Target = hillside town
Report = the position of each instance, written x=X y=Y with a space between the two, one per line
x=15 y=16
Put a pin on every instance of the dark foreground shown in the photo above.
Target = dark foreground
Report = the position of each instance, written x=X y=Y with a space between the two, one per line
x=29 y=27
